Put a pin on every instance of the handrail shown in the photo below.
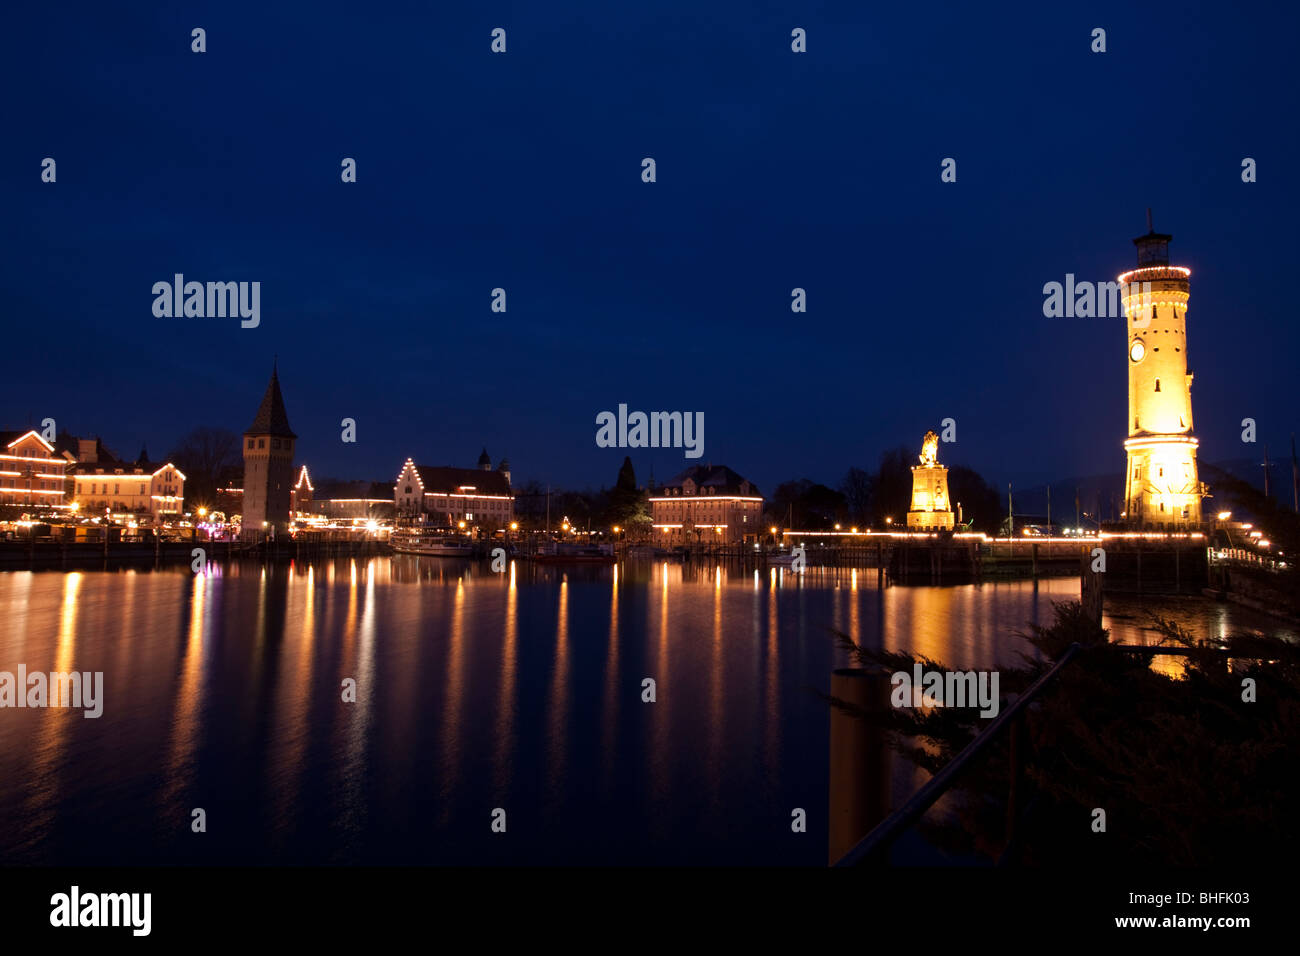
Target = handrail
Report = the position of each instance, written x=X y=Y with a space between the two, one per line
x=892 y=826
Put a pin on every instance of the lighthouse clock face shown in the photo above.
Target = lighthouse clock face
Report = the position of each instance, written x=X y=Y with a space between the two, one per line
x=1137 y=350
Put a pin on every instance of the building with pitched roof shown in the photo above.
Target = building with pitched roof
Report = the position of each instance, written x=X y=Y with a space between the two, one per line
x=706 y=503
x=32 y=471
x=446 y=495
x=101 y=481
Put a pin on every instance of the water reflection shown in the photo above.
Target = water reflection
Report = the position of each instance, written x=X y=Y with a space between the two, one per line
x=473 y=690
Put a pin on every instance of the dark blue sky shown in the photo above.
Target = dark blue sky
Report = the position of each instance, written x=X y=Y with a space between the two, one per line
x=775 y=170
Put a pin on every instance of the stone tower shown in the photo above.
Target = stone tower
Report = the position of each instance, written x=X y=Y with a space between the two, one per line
x=1162 y=487
x=931 y=508
x=268 y=467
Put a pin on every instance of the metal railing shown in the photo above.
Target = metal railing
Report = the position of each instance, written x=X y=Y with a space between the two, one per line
x=872 y=848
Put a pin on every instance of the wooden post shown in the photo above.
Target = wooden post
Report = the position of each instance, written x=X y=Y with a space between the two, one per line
x=1090 y=587
x=859 y=759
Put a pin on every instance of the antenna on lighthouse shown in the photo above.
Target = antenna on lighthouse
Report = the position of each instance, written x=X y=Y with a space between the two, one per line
x=1150 y=228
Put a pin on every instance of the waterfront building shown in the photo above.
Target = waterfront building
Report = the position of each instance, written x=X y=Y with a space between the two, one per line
x=102 y=481
x=302 y=493
x=342 y=500
x=703 y=504
x=32 y=472
x=268 y=467
x=1162 y=487
x=931 y=508
x=446 y=496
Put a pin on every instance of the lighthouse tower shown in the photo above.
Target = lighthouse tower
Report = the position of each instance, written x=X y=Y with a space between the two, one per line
x=1162 y=488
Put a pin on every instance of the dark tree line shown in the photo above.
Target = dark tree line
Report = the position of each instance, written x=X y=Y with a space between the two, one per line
x=207 y=457
x=865 y=499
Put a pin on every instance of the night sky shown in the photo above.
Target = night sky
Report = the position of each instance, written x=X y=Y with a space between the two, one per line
x=523 y=171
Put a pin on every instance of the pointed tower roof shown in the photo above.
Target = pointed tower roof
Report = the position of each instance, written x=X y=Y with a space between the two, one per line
x=271 y=418
x=484 y=461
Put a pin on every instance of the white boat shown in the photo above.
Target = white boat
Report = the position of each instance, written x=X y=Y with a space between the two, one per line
x=432 y=543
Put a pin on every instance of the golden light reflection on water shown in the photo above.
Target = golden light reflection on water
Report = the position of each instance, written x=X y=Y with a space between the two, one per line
x=189 y=699
x=724 y=644
x=660 y=715
x=290 y=727
x=558 y=704
x=717 y=687
x=360 y=715
x=506 y=699
x=43 y=791
x=772 y=685
x=610 y=711
x=453 y=696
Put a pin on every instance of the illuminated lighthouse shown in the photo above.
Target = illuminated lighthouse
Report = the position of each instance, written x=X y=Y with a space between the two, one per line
x=1162 y=488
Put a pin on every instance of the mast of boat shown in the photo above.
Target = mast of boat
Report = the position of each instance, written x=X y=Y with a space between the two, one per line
x=548 y=511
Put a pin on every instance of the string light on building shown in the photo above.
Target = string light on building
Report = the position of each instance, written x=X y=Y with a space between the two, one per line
x=1162 y=485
